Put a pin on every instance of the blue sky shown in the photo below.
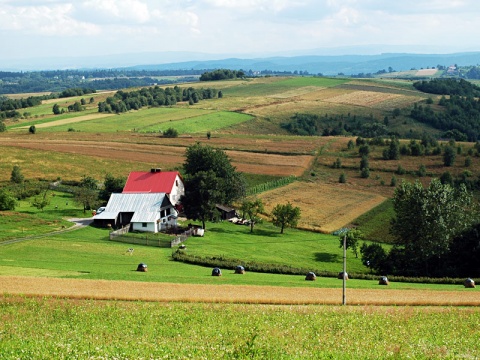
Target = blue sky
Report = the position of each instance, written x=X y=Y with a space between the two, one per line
x=57 y=28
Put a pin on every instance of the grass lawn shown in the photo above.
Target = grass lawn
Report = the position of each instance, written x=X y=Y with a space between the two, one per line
x=88 y=254
x=27 y=220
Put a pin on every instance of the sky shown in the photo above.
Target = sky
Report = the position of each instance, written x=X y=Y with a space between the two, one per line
x=32 y=29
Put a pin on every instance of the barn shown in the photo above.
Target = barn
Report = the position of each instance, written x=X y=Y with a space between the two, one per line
x=144 y=212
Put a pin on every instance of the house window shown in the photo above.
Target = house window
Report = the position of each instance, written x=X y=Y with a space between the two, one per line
x=176 y=182
x=144 y=224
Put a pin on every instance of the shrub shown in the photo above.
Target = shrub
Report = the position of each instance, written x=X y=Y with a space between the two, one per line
x=342 y=179
x=393 y=182
x=32 y=129
x=170 y=133
x=422 y=171
x=365 y=173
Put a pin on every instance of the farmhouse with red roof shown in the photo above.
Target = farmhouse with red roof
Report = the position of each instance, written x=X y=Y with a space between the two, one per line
x=156 y=181
x=149 y=202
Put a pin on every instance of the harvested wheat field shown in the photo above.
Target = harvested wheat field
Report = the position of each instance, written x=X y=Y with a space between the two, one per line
x=324 y=208
x=362 y=98
x=148 y=291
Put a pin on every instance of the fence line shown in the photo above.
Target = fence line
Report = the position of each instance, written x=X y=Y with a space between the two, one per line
x=121 y=235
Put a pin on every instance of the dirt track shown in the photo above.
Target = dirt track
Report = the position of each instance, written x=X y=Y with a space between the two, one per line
x=147 y=291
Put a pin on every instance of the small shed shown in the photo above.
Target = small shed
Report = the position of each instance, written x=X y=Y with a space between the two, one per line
x=226 y=212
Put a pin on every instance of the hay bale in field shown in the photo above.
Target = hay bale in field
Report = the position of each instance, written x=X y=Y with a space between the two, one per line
x=341 y=275
x=142 y=267
x=383 y=281
x=216 y=272
x=239 y=270
x=311 y=276
x=469 y=283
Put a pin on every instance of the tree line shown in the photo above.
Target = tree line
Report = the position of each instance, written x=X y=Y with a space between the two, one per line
x=102 y=79
x=222 y=74
x=460 y=117
x=448 y=86
x=124 y=101
x=437 y=233
x=335 y=125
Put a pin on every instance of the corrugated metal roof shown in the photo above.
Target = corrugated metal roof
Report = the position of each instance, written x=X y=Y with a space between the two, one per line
x=146 y=207
x=151 y=182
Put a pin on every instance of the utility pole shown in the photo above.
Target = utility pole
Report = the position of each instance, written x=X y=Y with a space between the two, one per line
x=344 y=275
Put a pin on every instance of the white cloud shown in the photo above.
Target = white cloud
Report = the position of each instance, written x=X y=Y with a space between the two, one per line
x=107 y=11
x=55 y=20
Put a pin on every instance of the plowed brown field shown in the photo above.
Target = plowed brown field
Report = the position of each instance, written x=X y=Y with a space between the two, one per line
x=147 y=291
x=170 y=156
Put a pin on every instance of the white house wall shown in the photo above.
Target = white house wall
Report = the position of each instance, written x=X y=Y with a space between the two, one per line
x=151 y=227
x=177 y=190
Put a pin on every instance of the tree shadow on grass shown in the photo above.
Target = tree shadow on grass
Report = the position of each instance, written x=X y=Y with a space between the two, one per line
x=326 y=257
x=245 y=230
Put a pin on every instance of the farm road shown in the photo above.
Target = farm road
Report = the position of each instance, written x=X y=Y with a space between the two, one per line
x=166 y=292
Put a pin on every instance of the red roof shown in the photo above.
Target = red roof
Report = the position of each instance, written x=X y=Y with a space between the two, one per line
x=150 y=182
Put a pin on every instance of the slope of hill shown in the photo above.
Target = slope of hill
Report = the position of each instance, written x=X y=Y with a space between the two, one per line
x=247 y=123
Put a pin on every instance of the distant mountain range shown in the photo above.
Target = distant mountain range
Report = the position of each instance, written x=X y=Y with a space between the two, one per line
x=328 y=65
x=314 y=64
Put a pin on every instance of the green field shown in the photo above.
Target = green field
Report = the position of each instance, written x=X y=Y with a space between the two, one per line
x=277 y=86
x=45 y=327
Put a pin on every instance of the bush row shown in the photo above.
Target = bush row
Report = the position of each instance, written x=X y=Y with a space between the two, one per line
x=227 y=263
x=271 y=185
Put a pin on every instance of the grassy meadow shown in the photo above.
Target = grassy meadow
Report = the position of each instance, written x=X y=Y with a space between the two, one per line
x=40 y=327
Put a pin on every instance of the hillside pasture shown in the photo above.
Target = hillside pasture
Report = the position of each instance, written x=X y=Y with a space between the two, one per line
x=202 y=124
x=324 y=208
x=115 y=156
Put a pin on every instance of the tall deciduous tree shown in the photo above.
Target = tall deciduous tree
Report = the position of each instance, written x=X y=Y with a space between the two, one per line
x=87 y=193
x=251 y=209
x=427 y=219
x=201 y=196
x=111 y=185
x=285 y=216
x=352 y=237
x=210 y=179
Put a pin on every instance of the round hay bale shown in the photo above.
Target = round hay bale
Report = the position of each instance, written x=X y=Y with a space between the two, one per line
x=142 y=267
x=239 y=270
x=341 y=276
x=311 y=276
x=469 y=283
x=216 y=272
x=383 y=281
